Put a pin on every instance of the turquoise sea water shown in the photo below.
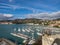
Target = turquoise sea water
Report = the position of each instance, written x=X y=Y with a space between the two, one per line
x=5 y=31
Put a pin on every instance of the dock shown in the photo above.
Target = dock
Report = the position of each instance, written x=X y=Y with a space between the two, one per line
x=4 y=41
x=49 y=40
x=20 y=35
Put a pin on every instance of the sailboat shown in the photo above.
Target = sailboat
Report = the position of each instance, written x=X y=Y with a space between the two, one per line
x=38 y=30
x=19 y=34
x=27 y=30
x=23 y=30
x=32 y=35
x=26 y=40
x=32 y=40
x=14 y=30
x=39 y=33
x=19 y=30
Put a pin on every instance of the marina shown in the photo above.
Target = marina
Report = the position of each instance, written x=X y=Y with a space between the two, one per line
x=26 y=38
x=51 y=40
x=28 y=34
x=20 y=35
x=29 y=22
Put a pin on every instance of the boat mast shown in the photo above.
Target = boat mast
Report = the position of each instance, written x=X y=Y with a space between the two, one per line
x=32 y=35
x=23 y=30
x=14 y=30
x=19 y=30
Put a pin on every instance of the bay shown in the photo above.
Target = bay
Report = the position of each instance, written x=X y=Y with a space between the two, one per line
x=6 y=29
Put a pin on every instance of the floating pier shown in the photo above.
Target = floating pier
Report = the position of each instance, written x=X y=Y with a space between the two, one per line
x=20 y=35
x=4 y=41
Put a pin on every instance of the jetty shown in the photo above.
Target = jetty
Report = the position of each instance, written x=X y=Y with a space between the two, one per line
x=4 y=41
x=51 y=40
x=27 y=39
x=47 y=37
x=20 y=35
x=51 y=37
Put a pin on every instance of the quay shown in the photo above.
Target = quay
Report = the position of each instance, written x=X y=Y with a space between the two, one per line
x=20 y=35
x=51 y=39
x=4 y=41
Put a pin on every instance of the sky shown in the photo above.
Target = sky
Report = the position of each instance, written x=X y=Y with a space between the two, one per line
x=21 y=9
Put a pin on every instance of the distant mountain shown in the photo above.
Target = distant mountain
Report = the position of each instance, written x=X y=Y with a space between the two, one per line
x=32 y=18
x=27 y=20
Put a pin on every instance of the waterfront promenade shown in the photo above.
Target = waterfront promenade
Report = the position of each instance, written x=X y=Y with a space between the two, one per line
x=51 y=40
x=6 y=42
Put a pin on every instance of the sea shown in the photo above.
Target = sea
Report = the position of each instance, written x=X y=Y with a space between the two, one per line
x=7 y=29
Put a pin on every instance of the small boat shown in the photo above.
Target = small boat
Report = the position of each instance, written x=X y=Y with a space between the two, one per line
x=27 y=30
x=39 y=34
x=20 y=35
x=26 y=40
x=31 y=42
x=23 y=30
x=32 y=35
x=38 y=30
x=14 y=30
x=19 y=30
x=32 y=31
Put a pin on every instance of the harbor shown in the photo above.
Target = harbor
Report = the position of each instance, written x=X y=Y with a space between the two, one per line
x=30 y=34
x=47 y=36
x=19 y=33
x=29 y=22
x=27 y=39
x=51 y=40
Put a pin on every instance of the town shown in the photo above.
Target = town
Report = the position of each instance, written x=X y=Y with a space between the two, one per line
x=33 y=21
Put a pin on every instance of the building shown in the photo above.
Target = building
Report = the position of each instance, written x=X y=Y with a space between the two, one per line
x=5 y=22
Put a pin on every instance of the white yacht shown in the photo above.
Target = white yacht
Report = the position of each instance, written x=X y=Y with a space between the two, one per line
x=39 y=34
x=27 y=30
x=25 y=41
x=23 y=30
x=20 y=35
x=19 y=30
x=14 y=30
x=32 y=40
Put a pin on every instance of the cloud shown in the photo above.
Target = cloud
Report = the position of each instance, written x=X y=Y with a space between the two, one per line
x=5 y=16
x=9 y=6
x=10 y=0
x=14 y=7
x=8 y=15
x=4 y=7
x=40 y=4
x=45 y=15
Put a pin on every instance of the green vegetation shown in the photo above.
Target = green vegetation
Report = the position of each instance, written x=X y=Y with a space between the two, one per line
x=24 y=21
x=34 y=21
x=56 y=26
